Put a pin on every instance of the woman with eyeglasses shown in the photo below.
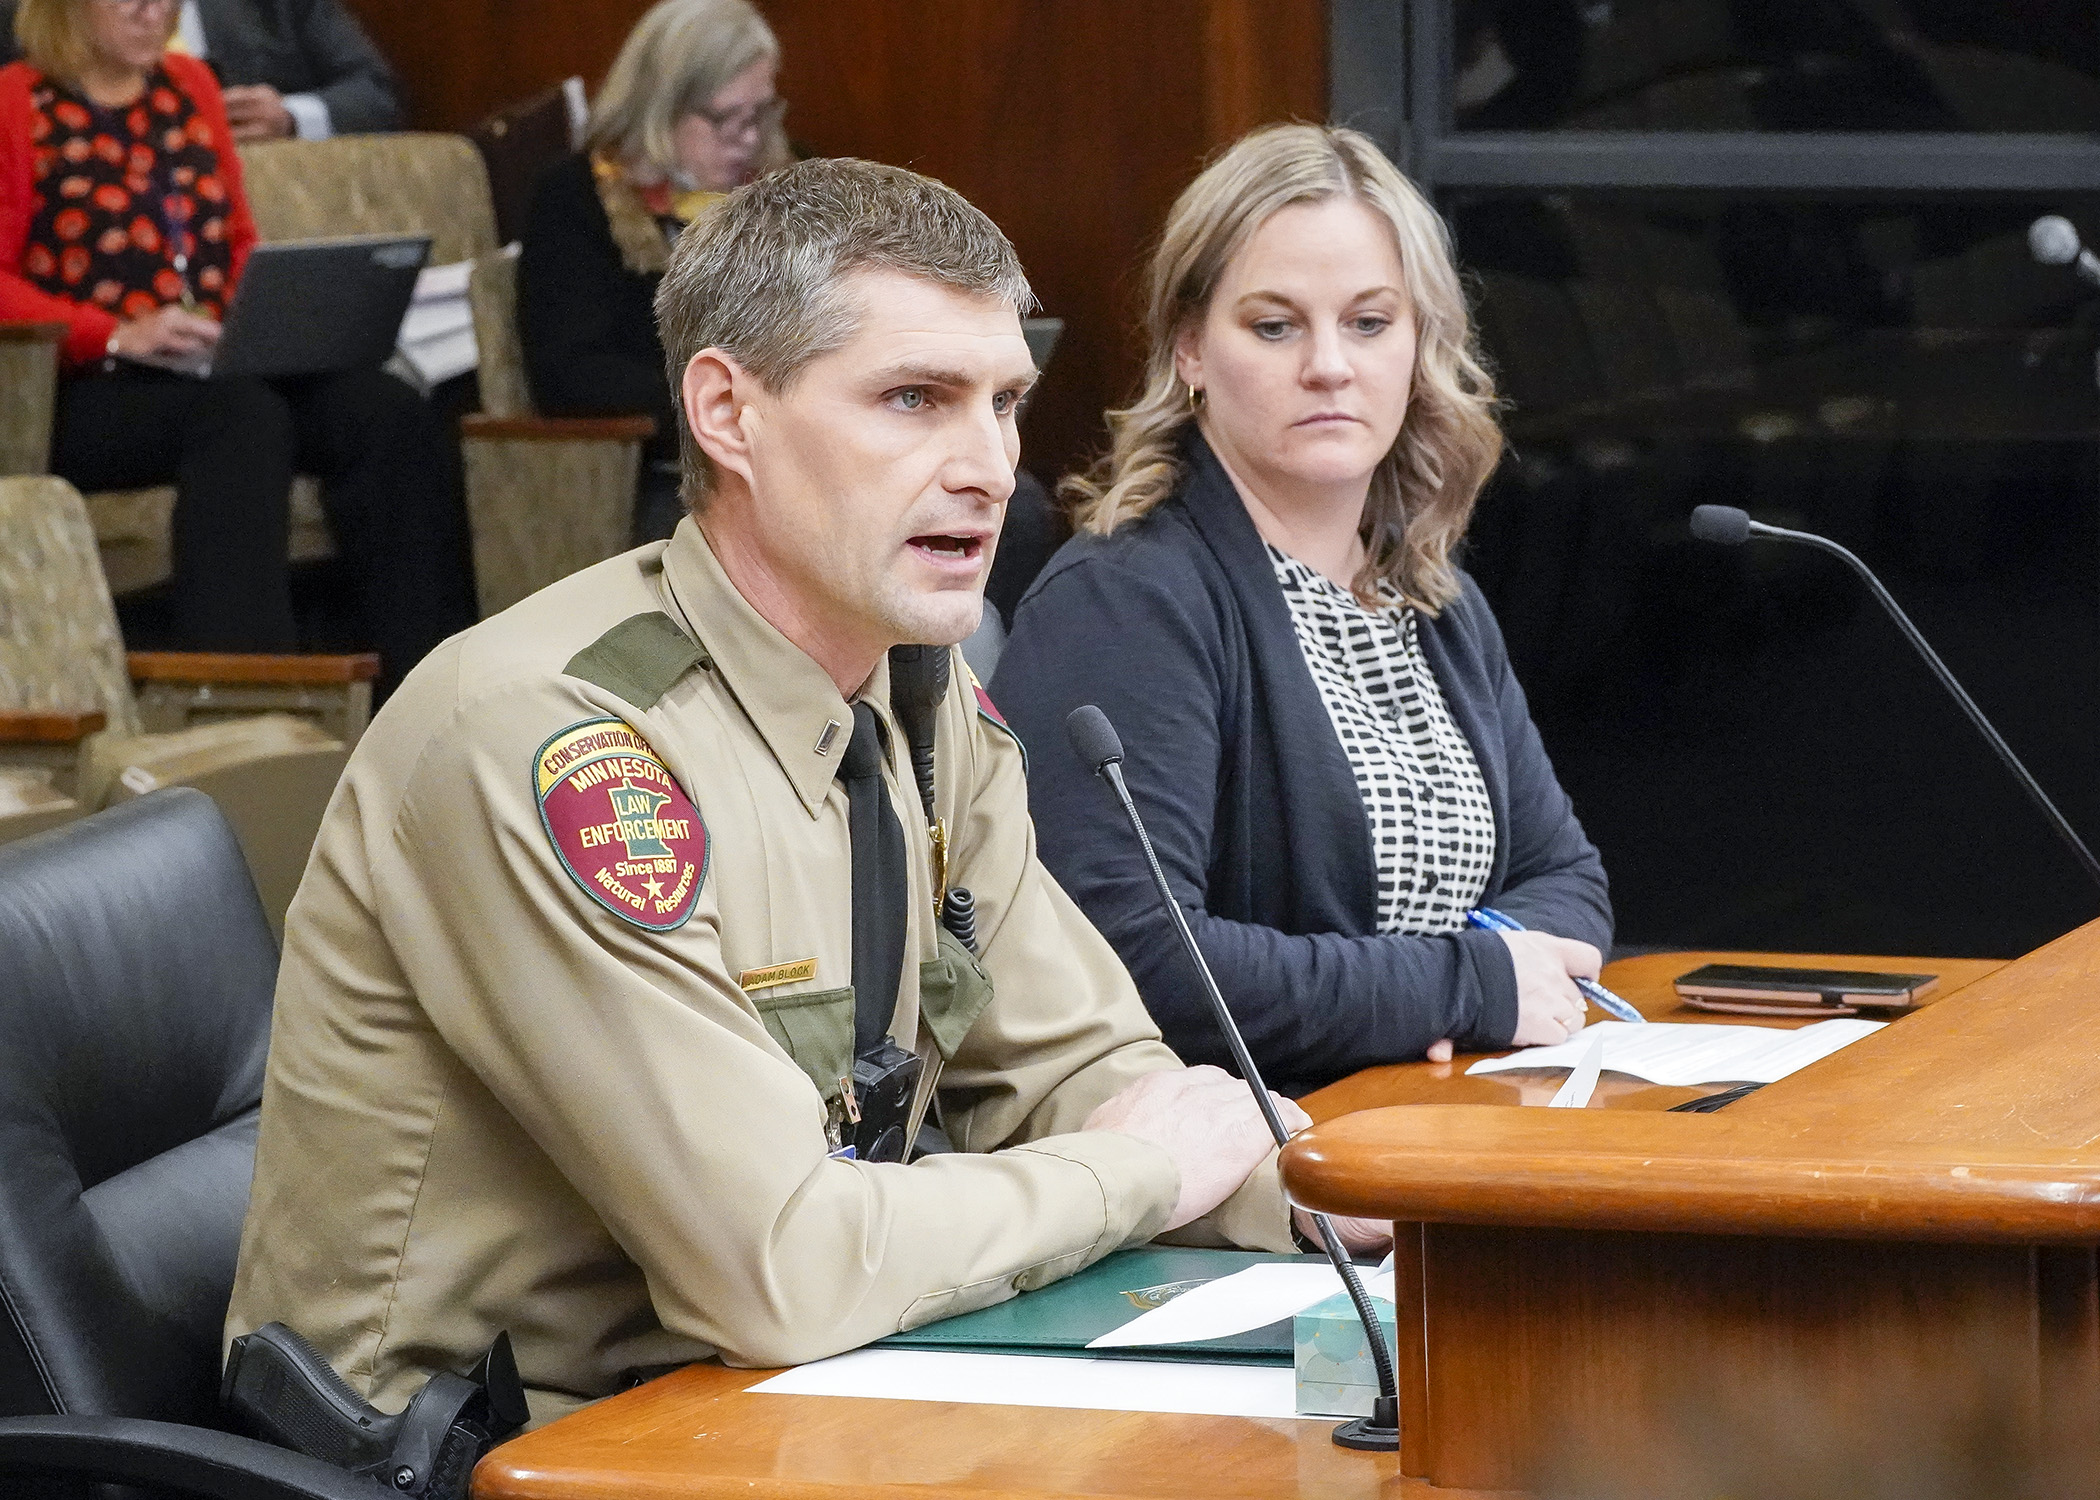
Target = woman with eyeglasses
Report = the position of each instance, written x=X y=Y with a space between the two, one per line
x=687 y=113
x=123 y=217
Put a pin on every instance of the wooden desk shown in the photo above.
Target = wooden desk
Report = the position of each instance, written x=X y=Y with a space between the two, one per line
x=1647 y=983
x=697 y=1433
x=1926 y=1200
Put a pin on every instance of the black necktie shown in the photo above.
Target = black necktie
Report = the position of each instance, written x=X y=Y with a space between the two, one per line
x=880 y=883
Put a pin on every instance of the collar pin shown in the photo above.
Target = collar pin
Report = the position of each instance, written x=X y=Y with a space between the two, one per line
x=831 y=733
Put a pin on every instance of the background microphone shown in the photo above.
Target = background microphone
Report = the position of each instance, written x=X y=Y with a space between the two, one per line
x=1730 y=527
x=1101 y=748
x=2054 y=241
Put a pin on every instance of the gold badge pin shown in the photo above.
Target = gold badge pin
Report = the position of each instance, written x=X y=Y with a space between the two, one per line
x=778 y=974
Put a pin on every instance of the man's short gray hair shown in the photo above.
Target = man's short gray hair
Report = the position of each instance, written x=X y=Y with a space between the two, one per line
x=760 y=274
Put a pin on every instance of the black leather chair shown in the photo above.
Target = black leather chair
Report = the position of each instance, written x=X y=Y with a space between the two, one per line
x=136 y=971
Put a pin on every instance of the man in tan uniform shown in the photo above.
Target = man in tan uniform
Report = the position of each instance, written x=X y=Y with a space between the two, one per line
x=565 y=1013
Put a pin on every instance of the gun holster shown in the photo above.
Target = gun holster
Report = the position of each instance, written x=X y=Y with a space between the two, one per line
x=278 y=1388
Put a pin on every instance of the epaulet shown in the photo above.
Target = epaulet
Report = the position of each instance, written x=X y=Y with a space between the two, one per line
x=638 y=659
x=989 y=712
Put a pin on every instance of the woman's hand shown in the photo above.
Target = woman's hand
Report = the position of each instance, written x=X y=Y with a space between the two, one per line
x=167 y=333
x=1549 y=1007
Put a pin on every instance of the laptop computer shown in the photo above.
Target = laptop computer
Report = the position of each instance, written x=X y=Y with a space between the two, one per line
x=311 y=307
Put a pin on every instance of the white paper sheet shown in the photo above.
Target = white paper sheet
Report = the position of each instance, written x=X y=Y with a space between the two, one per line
x=439 y=359
x=1208 y=1390
x=1249 y=1299
x=434 y=283
x=1582 y=1083
x=436 y=337
x=425 y=321
x=1667 y=1052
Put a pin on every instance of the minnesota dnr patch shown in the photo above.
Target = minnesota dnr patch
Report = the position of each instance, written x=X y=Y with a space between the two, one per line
x=622 y=826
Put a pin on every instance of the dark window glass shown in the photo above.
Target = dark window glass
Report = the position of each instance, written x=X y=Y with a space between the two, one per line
x=1777 y=65
x=1747 y=738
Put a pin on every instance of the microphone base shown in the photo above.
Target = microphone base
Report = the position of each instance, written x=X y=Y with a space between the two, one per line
x=1377 y=1433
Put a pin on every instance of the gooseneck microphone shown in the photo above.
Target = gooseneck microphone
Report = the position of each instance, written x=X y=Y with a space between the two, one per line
x=1731 y=527
x=2053 y=240
x=1101 y=748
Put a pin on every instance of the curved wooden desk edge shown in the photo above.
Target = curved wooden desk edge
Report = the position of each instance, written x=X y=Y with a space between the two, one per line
x=695 y=1434
x=1609 y=1169
x=1966 y=1121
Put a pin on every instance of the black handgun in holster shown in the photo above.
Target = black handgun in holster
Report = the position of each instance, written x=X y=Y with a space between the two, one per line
x=278 y=1388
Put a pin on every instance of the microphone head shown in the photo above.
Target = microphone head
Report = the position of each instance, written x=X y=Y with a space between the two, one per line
x=2053 y=240
x=1721 y=523
x=1093 y=737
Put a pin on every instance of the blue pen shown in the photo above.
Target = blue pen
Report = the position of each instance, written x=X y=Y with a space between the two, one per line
x=1490 y=920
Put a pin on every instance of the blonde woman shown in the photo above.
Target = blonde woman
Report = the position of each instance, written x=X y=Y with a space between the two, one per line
x=1323 y=731
x=687 y=113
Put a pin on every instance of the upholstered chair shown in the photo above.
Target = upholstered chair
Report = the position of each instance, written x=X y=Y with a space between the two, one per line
x=134 y=1025
x=545 y=495
x=72 y=735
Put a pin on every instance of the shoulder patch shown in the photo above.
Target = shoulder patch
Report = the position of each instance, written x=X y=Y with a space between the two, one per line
x=624 y=828
x=989 y=711
x=638 y=659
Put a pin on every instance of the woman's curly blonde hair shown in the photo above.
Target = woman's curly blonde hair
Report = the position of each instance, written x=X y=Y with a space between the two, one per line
x=1423 y=491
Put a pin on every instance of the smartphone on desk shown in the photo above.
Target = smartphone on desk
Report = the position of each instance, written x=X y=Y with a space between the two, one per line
x=1759 y=990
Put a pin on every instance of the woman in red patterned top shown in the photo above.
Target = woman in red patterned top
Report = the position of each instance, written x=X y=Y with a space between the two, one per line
x=122 y=215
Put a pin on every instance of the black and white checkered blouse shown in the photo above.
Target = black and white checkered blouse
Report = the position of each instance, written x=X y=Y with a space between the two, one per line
x=1432 y=827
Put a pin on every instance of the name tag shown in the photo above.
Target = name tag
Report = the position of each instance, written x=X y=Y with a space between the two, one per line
x=778 y=974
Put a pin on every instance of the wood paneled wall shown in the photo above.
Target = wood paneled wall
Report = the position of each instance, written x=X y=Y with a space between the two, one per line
x=1073 y=123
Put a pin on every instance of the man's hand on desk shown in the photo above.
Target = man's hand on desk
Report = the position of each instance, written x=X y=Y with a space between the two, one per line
x=1207 y=1121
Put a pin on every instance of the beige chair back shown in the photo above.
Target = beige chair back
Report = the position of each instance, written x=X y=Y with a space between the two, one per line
x=493 y=294
x=28 y=395
x=60 y=650
x=411 y=183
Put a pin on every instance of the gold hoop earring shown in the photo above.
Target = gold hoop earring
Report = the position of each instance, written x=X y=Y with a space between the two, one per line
x=1195 y=399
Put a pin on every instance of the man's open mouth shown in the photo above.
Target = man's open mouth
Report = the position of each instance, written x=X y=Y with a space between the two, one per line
x=949 y=548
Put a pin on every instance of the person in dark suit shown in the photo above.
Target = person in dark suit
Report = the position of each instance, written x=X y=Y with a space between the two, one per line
x=687 y=113
x=288 y=67
x=1332 y=755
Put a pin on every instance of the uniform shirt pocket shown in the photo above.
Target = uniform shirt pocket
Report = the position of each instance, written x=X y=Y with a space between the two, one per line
x=953 y=992
x=815 y=1028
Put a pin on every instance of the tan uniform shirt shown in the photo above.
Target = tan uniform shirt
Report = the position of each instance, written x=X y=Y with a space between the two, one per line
x=530 y=1071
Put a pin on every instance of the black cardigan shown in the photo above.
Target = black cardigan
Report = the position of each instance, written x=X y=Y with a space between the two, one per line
x=587 y=323
x=1177 y=628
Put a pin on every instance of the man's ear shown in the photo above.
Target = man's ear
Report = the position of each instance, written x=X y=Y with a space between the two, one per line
x=714 y=394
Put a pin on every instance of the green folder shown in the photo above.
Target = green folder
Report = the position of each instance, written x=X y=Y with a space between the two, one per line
x=1062 y=1319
